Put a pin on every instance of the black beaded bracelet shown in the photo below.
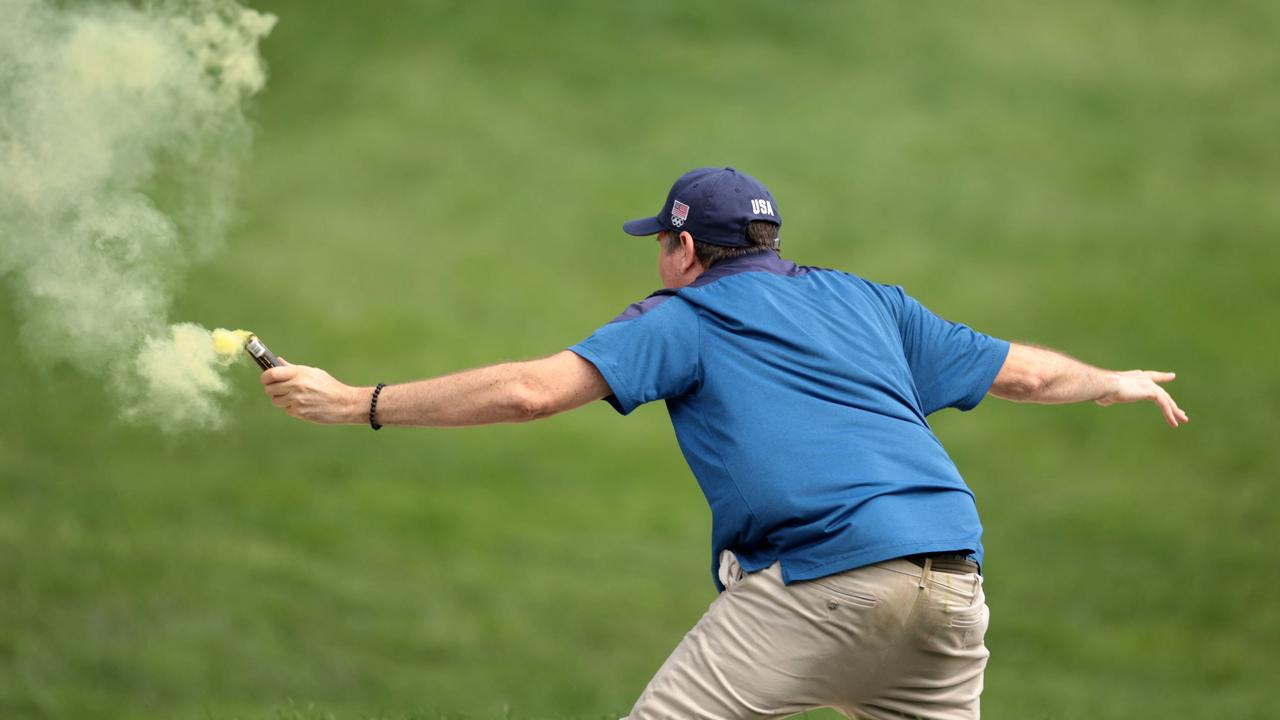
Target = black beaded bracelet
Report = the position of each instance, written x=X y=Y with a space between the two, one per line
x=373 y=407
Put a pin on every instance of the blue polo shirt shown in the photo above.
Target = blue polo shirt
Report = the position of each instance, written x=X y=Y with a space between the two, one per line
x=799 y=397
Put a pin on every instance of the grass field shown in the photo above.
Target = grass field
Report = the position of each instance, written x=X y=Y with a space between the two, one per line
x=439 y=184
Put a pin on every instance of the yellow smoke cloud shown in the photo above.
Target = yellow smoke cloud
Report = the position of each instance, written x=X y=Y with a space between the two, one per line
x=100 y=104
x=228 y=344
x=181 y=374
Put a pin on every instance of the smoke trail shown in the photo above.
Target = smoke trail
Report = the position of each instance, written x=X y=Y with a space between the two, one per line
x=121 y=129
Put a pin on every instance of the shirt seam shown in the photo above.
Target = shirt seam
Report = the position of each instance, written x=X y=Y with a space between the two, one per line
x=993 y=370
x=707 y=433
x=633 y=400
x=609 y=373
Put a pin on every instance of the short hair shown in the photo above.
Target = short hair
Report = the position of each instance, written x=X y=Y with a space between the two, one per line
x=761 y=236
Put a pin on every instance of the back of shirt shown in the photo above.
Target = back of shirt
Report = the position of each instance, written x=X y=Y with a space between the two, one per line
x=799 y=398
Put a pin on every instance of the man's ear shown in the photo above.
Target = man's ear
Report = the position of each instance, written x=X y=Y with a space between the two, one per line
x=690 y=254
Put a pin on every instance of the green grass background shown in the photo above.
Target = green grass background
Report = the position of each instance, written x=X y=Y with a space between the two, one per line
x=437 y=185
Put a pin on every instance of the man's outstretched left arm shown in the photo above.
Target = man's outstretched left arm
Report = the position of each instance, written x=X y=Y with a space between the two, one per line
x=1040 y=375
x=505 y=393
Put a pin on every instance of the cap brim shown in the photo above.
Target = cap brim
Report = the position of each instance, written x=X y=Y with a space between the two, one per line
x=643 y=227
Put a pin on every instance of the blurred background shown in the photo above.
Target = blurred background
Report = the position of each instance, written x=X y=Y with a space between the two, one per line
x=439 y=184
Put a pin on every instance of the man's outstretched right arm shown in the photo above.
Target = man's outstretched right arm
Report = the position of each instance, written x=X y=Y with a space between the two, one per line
x=1040 y=375
x=510 y=392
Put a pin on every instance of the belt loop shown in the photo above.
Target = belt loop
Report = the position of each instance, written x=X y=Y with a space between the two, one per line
x=924 y=573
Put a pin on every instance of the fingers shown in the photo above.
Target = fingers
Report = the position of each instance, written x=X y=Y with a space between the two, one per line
x=282 y=360
x=1172 y=413
x=1167 y=407
x=279 y=374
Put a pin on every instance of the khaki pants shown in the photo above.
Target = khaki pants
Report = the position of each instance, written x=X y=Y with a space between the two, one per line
x=891 y=640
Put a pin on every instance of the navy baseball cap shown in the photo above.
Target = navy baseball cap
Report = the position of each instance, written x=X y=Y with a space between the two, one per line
x=713 y=205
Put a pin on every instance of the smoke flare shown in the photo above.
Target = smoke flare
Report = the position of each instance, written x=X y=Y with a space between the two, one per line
x=121 y=132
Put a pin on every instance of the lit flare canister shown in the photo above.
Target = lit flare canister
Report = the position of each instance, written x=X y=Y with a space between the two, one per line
x=260 y=354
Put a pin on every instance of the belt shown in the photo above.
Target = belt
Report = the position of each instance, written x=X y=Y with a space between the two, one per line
x=956 y=563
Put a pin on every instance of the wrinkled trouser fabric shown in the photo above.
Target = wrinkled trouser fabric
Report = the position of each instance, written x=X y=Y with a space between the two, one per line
x=890 y=640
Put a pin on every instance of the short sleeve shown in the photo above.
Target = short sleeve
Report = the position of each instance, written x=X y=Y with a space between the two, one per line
x=650 y=352
x=952 y=364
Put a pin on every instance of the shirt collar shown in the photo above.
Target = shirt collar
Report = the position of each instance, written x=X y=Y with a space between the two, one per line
x=764 y=261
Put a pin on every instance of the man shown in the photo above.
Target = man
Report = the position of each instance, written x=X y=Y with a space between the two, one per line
x=845 y=542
